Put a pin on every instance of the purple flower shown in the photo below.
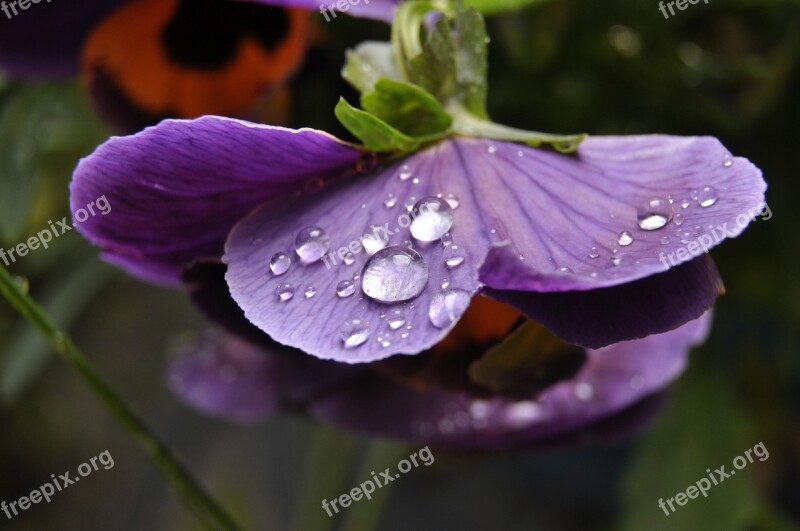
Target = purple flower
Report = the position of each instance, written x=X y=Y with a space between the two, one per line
x=145 y=60
x=536 y=229
x=442 y=287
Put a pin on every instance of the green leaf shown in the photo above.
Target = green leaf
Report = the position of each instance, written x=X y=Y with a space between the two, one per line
x=369 y=62
x=374 y=133
x=471 y=61
x=434 y=68
x=407 y=108
x=491 y=7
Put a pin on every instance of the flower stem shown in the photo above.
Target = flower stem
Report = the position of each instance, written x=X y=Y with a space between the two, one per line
x=199 y=502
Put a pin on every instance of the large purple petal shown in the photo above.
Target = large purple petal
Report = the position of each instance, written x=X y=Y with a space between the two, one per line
x=46 y=39
x=375 y=9
x=176 y=189
x=613 y=379
x=556 y=212
x=603 y=316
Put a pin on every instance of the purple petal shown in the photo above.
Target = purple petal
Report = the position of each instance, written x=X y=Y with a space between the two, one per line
x=46 y=39
x=176 y=189
x=375 y=9
x=603 y=316
x=613 y=379
x=557 y=211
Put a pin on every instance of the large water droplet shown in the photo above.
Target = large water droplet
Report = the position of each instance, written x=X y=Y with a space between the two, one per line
x=393 y=274
x=345 y=288
x=707 y=196
x=625 y=238
x=654 y=213
x=311 y=244
x=373 y=240
x=453 y=256
x=354 y=332
x=447 y=306
x=397 y=318
x=284 y=292
x=433 y=217
x=279 y=263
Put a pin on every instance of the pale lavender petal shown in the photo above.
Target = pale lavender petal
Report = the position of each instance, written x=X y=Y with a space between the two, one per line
x=613 y=379
x=176 y=189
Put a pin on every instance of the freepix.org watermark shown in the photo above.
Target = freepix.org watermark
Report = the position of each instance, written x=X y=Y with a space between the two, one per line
x=366 y=488
x=341 y=5
x=703 y=242
x=703 y=485
x=11 y=7
x=46 y=491
x=680 y=4
x=44 y=237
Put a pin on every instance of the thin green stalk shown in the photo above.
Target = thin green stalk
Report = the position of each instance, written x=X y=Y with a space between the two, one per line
x=199 y=502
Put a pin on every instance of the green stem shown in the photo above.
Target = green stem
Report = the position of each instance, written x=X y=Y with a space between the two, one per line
x=199 y=502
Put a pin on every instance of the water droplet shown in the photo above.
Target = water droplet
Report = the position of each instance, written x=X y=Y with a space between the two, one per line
x=685 y=235
x=447 y=306
x=284 y=292
x=679 y=219
x=492 y=150
x=654 y=213
x=452 y=200
x=393 y=274
x=565 y=269
x=373 y=240
x=520 y=154
x=397 y=318
x=707 y=196
x=390 y=201
x=354 y=332
x=349 y=258
x=279 y=263
x=593 y=252
x=684 y=203
x=523 y=413
x=385 y=343
x=445 y=283
x=404 y=335
x=728 y=163
x=433 y=217
x=311 y=244
x=447 y=239
x=345 y=288
x=410 y=202
x=625 y=238
x=310 y=292
x=664 y=240
x=616 y=260
x=584 y=391
x=405 y=173
x=453 y=256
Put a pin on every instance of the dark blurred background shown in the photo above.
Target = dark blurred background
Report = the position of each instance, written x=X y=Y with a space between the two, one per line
x=725 y=68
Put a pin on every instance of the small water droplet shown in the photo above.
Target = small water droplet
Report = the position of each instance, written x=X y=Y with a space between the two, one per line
x=565 y=269
x=404 y=335
x=452 y=200
x=311 y=244
x=393 y=274
x=345 y=288
x=385 y=343
x=520 y=153
x=405 y=173
x=685 y=203
x=390 y=201
x=410 y=202
x=284 y=292
x=625 y=238
x=664 y=240
x=415 y=180
x=432 y=218
x=397 y=318
x=354 y=332
x=616 y=260
x=707 y=196
x=584 y=391
x=349 y=258
x=685 y=235
x=373 y=239
x=491 y=149
x=593 y=252
x=654 y=213
x=453 y=256
x=679 y=219
x=310 y=292
x=447 y=239
x=445 y=283
x=728 y=163
x=448 y=306
x=279 y=263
